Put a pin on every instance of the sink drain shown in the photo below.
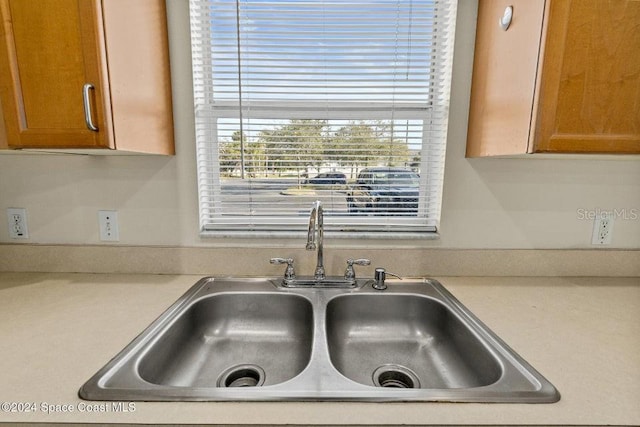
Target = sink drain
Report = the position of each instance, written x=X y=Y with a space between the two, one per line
x=242 y=376
x=395 y=376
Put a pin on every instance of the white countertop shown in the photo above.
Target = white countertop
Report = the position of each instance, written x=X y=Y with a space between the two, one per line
x=583 y=334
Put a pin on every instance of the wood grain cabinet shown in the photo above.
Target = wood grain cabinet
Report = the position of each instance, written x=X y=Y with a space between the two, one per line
x=563 y=78
x=86 y=75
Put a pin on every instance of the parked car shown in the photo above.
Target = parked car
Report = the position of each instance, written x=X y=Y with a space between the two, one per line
x=329 y=178
x=385 y=190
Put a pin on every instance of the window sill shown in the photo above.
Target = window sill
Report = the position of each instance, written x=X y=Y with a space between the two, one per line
x=291 y=238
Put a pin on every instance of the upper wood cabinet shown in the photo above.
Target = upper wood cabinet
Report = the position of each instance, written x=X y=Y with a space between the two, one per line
x=563 y=78
x=86 y=74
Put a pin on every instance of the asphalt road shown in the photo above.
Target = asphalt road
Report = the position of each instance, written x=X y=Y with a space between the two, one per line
x=265 y=196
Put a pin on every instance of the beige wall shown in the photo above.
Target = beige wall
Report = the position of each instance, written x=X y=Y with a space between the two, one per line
x=488 y=203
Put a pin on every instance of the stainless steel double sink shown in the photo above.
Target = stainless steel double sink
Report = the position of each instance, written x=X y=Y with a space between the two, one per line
x=255 y=339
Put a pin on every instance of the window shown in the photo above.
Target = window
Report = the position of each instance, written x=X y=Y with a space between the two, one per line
x=340 y=101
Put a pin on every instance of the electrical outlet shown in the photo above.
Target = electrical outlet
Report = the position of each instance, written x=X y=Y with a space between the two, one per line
x=602 y=230
x=108 y=222
x=18 y=223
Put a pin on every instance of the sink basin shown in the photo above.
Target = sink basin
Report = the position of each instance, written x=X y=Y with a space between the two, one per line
x=406 y=341
x=241 y=335
x=255 y=339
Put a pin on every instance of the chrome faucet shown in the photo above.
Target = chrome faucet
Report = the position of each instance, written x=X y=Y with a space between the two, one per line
x=315 y=236
x=315 y=243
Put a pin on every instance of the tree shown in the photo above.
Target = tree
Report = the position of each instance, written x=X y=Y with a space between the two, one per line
x=229 y=154
x=295 y=145
x=301 y=144
x=394 y=149
x=360 y=144
x=354 y=145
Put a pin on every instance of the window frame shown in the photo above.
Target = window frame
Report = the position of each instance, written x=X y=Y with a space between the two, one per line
x=422 y=226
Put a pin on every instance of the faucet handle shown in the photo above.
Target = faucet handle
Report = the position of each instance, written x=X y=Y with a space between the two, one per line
x=289 y=272
x=350 y=272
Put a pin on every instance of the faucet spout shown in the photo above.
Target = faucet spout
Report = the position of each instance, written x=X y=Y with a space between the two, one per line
x=315 y=237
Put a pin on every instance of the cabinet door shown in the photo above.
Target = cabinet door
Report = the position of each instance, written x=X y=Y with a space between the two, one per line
x=504 y=77
x=590 y=85
x=49 y=50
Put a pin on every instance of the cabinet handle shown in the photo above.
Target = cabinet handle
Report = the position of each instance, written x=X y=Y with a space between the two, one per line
x=505 y=20
x=87 y=107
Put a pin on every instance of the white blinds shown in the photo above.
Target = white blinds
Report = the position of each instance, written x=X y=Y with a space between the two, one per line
x=340 y=101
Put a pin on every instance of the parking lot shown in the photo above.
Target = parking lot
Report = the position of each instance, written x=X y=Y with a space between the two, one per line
x=272 y=195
